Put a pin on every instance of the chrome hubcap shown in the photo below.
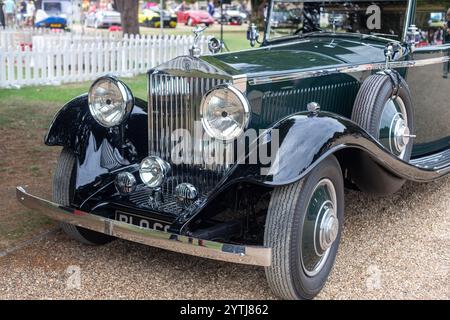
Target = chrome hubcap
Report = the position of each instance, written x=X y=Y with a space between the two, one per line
x=328 y=229
x=401 y=135
x=320 y=227
x=394 y=131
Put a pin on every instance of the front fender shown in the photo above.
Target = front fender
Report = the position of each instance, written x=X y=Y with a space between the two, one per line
x=305 y=140
x=99 y=150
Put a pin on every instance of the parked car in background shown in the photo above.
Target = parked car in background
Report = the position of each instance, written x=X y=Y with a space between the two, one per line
x=103 y=19
x=194 y=17
x=152 y=18
x=231 y=15
x=283 y=19
x=52 y=21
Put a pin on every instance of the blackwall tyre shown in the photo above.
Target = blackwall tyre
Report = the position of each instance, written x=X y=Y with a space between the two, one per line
x=303 y=228
x=63 y=190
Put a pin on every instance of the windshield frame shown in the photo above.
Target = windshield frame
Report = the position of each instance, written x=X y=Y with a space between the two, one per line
x=410 y=7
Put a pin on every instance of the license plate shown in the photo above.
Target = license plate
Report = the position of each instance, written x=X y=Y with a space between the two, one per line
x=55 y=25
x=141 y=221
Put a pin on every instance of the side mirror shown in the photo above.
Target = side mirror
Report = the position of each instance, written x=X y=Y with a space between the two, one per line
x=214 y=45
x=252 y=34
x=413 y=37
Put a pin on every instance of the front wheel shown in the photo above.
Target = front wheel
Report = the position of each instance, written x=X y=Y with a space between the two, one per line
x=303 y=228
x=63 y=193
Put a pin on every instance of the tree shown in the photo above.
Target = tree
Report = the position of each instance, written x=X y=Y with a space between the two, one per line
x=129 y=10
x=258 y=7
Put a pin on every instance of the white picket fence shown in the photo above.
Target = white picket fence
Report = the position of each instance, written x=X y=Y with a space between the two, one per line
x=57 y=59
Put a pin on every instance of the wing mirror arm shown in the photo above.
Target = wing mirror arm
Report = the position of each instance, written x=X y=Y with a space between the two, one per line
x=253 y=35
x=413 y=37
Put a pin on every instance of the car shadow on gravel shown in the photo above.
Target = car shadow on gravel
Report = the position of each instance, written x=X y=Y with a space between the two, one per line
x=388 y=248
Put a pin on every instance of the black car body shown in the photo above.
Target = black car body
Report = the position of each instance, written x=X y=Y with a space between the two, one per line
x=318 y=95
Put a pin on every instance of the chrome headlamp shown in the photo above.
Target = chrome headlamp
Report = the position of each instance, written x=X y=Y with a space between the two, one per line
x=153 y=170
x=110 y=101
x=225 y=112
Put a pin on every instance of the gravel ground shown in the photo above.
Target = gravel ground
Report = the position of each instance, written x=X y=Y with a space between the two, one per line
x=394 y=247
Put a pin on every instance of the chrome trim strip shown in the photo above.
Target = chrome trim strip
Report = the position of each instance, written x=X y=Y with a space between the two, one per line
x=251 y=255
x=296 y=75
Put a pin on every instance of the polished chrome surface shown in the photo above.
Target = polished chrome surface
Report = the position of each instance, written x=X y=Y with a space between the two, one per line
x=186 y=194
x=127 y=97
x=187 y=66
x=153 y=170
x=245 y=107
x=313 y=107
x=409 y=18
x=195 y=50
x=214 y=45
x=329 y=228
x=174 y=116
x=125 y=183
x=302 y=74
x=252 y=255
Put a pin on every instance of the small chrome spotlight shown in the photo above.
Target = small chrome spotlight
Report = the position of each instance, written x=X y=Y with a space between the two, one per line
x=186 y=194
x=125 y=183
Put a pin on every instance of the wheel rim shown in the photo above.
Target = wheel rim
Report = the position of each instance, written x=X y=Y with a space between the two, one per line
x=320 y=227
x=394 y=131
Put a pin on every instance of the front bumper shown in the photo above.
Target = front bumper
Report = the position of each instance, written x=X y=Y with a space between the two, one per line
x=251 y=255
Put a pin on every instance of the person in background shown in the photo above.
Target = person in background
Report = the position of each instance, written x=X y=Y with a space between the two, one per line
x=182 y=7
x=110 y=6
x=22 y=12
x=31 y=13
x=447 y=28
x=211 y=8
x=2 y=15
x=10 y=11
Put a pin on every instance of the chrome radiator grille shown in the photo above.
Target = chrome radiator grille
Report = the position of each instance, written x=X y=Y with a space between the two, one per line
x=174 y=104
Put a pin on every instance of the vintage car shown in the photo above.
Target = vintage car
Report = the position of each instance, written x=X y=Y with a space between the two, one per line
x=52 y=19
x=230 y=15
x=244 y=156
x=52 y=23
x=194 y=17
x=102 y=19
x=151 y=17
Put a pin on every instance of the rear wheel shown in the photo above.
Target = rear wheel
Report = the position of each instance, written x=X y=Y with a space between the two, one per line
x=303 y=228
x=63 y=193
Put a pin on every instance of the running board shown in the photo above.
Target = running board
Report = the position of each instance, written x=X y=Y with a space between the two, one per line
x=434 y=162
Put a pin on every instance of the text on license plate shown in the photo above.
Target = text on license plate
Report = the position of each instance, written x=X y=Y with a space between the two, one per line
x=140 y=221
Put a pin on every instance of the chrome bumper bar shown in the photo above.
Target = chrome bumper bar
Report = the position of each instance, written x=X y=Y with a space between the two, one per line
x=252 y=255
